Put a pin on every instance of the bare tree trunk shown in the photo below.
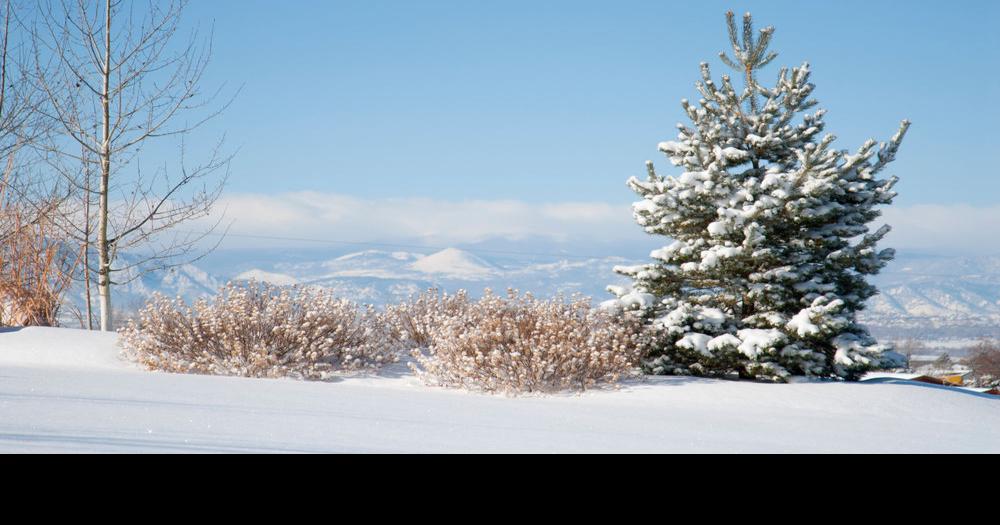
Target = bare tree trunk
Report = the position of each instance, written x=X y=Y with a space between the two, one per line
x=3 y=68
x=134 y=85
x=87 y=240
x=104 y=252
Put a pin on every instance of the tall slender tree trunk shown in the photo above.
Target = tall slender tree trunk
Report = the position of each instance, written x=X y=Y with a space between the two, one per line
x=103 y=244
x=87 y=241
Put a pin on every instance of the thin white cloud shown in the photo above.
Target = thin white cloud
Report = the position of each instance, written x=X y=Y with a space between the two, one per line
x=313 y=215
x=944 y=229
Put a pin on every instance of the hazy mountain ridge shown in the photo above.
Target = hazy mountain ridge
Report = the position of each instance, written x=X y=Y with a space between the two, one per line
x=937 y=296
x=382 y=276
x=921 y=296
x=134 y=288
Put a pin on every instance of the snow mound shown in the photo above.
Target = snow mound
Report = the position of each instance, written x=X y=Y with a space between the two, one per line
x=367 y=264
x=69 y=391
x=277 y=279
x=456 y=264
x=59 y=348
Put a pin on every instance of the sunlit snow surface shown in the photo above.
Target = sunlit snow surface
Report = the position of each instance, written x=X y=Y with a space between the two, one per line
x=67 y=391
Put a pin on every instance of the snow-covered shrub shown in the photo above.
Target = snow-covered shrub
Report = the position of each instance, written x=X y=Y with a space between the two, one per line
x=414 y=322
x=259 y=330
x=520 y=344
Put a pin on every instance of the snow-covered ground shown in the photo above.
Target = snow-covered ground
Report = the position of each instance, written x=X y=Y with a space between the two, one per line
x=67 y=391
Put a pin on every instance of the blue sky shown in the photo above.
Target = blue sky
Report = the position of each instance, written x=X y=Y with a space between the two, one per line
x=414 y=108
x=559 y=100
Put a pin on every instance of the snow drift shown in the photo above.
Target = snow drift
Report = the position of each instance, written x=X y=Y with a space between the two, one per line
x=67 y=391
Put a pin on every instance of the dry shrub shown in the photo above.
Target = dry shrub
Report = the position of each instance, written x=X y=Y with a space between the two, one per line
x=259 y=330
x=415 y=322
x=35 y=271
x=517 y=344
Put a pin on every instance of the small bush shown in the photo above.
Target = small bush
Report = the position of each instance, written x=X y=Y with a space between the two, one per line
x=36 y=269
x=517 y=344
x=416 y=321
x=259 y=330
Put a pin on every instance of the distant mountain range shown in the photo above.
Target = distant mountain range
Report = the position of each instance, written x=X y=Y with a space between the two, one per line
x=934 y=296
x=923 y=297
x=379 y=277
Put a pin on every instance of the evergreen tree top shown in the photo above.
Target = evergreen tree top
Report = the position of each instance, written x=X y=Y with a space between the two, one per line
x=751 y=54
x=770 y=242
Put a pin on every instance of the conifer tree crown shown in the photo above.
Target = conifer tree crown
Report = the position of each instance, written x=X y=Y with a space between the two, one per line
x=771 y=244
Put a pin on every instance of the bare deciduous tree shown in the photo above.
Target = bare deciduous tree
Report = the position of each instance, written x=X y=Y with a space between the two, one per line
x=985 y=364
x=20 y=125
x=115 y=76
x=910 y=348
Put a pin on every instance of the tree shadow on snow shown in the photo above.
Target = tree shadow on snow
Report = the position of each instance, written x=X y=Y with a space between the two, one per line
x=918 y=384
x=665 y=381
x=395 y=370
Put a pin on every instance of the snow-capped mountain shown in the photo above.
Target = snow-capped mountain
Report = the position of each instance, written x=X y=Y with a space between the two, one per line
x=380 y=277
x=922 y=296
x=188 y=282
x=937 y=296
x=455 y=264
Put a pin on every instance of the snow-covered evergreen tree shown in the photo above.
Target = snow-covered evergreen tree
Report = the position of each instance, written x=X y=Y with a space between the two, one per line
x=770 y=228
